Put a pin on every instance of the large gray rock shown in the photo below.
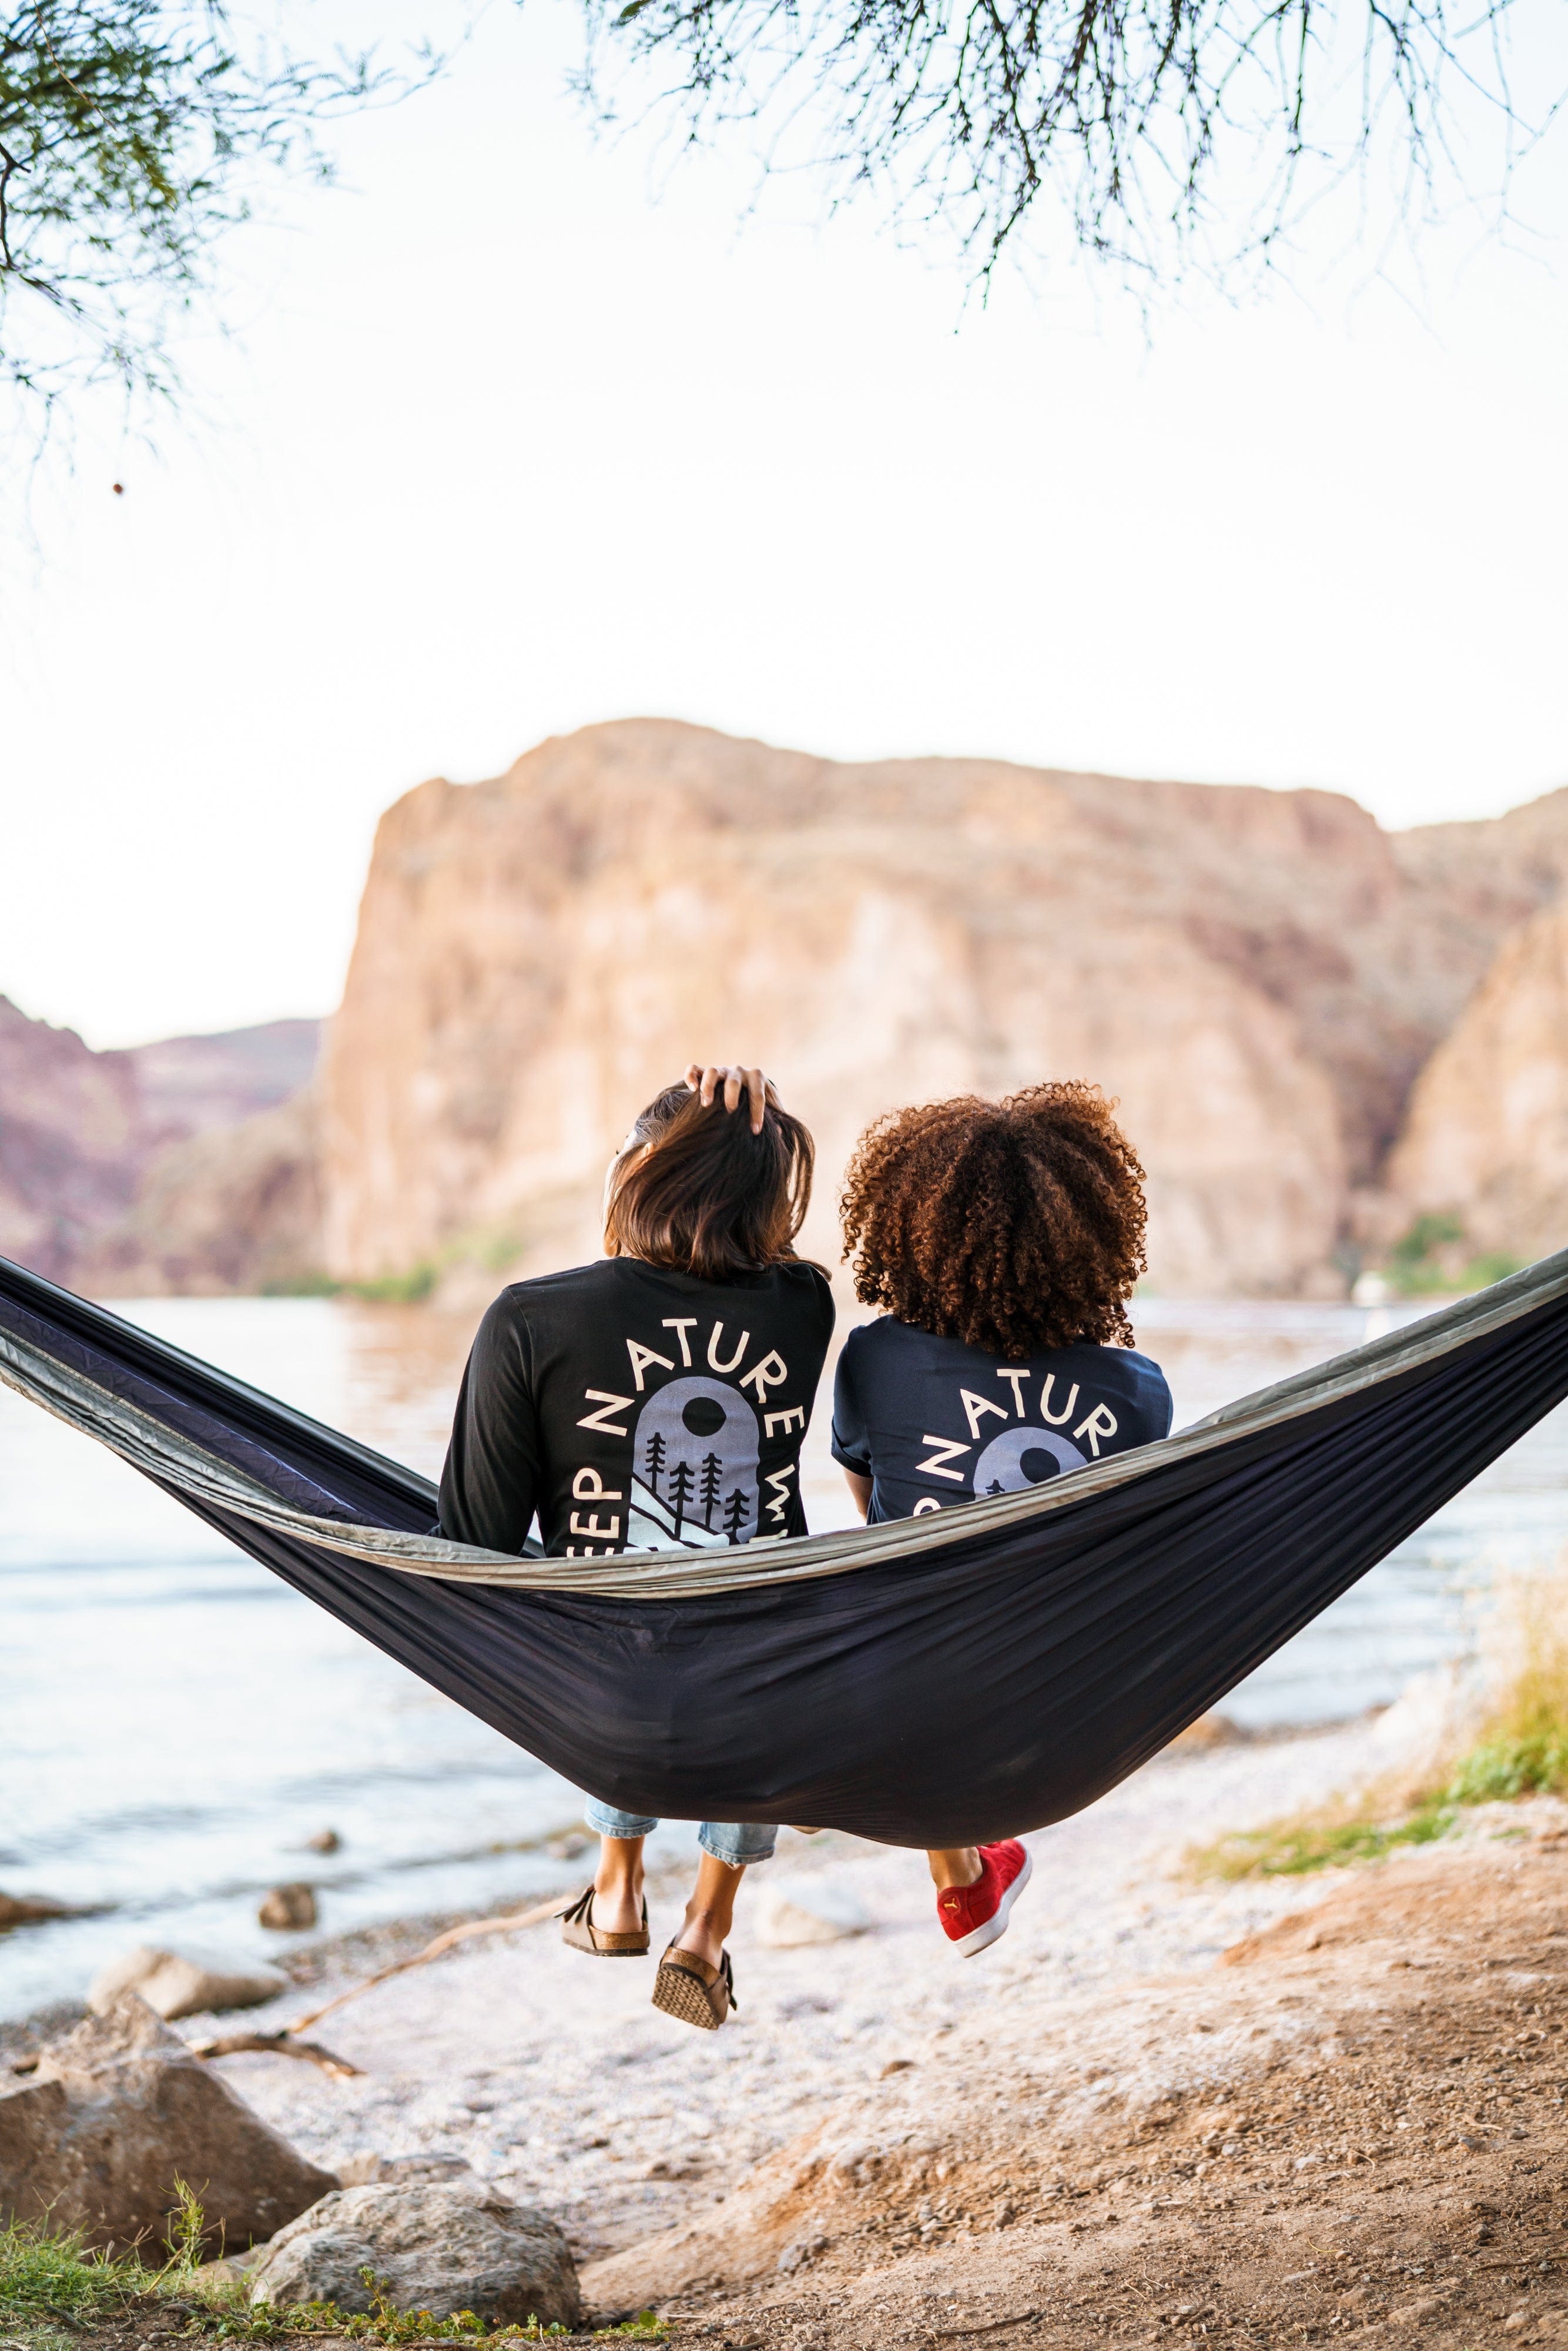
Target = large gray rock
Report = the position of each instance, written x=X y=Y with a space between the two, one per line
x=116 y=2114
x=183 y=1983
x=440 y=2246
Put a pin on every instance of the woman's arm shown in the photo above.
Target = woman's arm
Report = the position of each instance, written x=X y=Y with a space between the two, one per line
x=859 y=1490
x=488 y=1485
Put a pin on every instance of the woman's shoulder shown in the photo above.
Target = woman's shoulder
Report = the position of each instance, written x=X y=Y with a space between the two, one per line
x=543 y=1295
x=1142 y=1366
x=886 y=1337
x=600 y=1273
x=1128 y=1364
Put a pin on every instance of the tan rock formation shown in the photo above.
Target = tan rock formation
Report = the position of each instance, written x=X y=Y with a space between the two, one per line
x=1255 y=974
x=1487 y=1141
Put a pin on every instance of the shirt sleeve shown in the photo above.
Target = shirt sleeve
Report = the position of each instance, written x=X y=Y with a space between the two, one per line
x=852 y=1443
x=490 y=1484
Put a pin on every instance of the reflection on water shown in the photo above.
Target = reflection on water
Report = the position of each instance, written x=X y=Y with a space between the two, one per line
x=176 y=1723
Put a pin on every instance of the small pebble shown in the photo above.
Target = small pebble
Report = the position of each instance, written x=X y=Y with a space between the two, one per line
x=287 y=1906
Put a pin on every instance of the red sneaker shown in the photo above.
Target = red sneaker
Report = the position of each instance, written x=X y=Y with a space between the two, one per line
x=974 y=1916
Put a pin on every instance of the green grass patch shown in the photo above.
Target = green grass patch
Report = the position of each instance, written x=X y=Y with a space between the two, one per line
x=1498 y=1769
x=1520 y=1748
x=49 y=2282
x=1429 y=1261
x=1291 y=1848
x=410 y=1288
x=52 y=2288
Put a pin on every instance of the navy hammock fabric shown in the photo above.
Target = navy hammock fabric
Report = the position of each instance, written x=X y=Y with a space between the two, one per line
x=944 y=1680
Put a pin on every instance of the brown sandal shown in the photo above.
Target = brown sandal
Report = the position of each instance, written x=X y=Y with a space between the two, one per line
x=688 y=1988
x=577 y=1928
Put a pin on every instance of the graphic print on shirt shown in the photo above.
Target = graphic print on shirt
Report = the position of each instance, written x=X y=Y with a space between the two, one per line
x=697 y=1454
x=1024 y=1457
x=693 y=1480
x=1016 y=1456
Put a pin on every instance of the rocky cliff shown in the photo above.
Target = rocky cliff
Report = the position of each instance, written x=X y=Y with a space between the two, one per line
x=1258 y=976
x=1486 y=1148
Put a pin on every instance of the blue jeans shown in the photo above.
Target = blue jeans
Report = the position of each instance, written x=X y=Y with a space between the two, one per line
x=735 y=1842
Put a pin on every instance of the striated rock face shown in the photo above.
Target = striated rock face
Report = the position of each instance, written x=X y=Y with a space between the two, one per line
x=1487 y=1142
x=1257 y=975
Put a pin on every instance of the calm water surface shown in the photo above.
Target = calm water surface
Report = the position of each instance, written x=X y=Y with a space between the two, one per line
x=174 y=1723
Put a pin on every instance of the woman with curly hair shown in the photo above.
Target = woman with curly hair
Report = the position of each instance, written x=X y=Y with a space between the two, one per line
x=1002 y=1242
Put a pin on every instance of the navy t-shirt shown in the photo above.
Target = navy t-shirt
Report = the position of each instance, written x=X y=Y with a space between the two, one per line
x=934 y=1421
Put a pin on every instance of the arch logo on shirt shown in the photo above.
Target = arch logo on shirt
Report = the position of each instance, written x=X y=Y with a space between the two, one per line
x=693 y=1478
x=933 y=1422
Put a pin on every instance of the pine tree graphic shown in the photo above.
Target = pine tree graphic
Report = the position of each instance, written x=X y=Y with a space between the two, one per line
x=654 y=1458
x=707 y=1492
x=737 y=1511
x=680 y=1493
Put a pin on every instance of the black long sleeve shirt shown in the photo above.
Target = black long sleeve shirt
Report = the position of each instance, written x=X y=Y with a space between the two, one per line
x=630 y=1407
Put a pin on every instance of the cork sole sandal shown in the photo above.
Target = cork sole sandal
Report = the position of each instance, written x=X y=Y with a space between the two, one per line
x=686 y=1987
x=577 y=1928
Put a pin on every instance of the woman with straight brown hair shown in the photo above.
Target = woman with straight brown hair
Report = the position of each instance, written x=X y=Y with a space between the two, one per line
x=651 y=1400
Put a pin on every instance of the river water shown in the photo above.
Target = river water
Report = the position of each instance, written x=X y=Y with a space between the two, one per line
x=176 y=1724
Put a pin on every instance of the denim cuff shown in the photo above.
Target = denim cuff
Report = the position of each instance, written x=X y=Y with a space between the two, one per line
x=606 y=1822
x=738 y=1842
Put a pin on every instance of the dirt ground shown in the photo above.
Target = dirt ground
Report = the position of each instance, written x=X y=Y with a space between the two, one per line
x=1352 y=2124
x=1159 y=2111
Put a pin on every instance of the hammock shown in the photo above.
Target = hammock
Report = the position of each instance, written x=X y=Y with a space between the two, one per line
x=942 y=1680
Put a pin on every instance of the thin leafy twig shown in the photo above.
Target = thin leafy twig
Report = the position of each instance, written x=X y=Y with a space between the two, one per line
x=1150 y=131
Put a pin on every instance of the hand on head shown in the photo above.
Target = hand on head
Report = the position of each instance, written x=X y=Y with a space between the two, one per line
x=735 y=1081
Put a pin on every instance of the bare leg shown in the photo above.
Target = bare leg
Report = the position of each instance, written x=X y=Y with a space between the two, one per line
x=955 y=1866
x=618 y=1886
x=710 y=1913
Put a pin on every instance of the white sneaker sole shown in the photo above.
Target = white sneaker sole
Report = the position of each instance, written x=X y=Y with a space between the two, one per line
x=981 y=1938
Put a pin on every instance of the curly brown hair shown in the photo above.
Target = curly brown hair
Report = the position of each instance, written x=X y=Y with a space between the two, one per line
x=1014 y=1225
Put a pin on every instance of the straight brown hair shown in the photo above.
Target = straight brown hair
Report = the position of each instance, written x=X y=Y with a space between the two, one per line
x=704 y=1194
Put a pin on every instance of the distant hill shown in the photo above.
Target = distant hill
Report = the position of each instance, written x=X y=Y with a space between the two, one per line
x=80 y=1131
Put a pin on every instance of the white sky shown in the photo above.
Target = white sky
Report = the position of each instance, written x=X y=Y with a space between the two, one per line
x=520 y=432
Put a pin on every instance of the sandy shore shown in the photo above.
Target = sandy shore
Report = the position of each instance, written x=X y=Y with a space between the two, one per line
x=553 y=2074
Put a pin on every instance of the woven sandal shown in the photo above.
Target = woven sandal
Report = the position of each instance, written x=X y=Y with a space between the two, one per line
x=688 y=1988
x=577 y=1928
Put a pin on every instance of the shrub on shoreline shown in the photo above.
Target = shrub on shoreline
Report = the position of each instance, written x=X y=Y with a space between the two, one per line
x=1518 y=1747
